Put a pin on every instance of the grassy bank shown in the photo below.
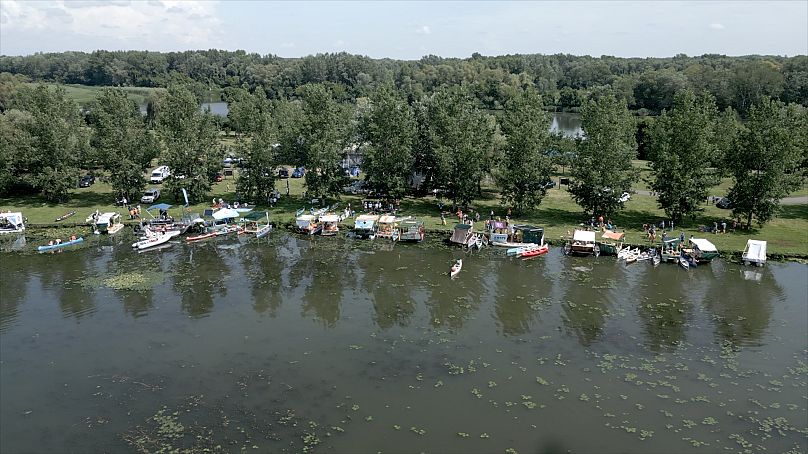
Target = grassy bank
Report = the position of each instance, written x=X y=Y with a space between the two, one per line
x=558 y=214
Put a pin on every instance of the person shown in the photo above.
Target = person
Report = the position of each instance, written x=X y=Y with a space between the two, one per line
x=664 y=236
x=509 y=212
x=477 y=216
x=58 y=241
x=715 y=227
x=682 y=237
x=492 y=215
x=600 y=221
x=124 y=200
x=50 y=243
x=723 y=226
x=72 y=237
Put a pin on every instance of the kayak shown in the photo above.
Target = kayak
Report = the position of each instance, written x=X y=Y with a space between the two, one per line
x=203 y=236
x=543 y=249
x=51 y=247
x=455 y=270
x=263 y=232
x=65 y=216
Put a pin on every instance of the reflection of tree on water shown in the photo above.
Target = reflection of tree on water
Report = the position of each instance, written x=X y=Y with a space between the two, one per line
x=516 y=299
x=13 y=285
x=665 y=309
x=198 y=276
x=389 y=279
x=586 y=301
x=323 y=267
x=263 y=266
x=66 y=274
x=453 y=301
x=741 y=311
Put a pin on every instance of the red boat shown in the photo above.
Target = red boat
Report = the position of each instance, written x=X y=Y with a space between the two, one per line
x=543 y=249
x=203 y=236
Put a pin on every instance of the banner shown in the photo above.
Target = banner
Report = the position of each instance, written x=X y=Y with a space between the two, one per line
x=185 y=195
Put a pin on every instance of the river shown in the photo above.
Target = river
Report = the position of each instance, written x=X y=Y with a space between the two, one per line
x=289 y=344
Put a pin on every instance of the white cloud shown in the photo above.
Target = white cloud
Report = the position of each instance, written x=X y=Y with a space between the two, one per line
x=162 y=24
x=717 y=26
x=339 y=43
x=423 y=30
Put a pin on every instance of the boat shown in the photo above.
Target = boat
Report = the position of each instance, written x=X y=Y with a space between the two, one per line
x=613 y=243
x=412 y=230
x=50 y=247
x=65 y=216
x=670 y=250
x=365 y=226
x=754 y=253
x=330 y=223
x=684 y=263
x=153 y=241
x=632 y=256
x=455 y=270
x=252 y=223
x=657 y=260
x=12 y=222
x=307 y=224
x=582 y=243
x=534 y=252
x=108 y=223
x=202 y=236
x=461 y=234
x=702 y=250
x=387 y=227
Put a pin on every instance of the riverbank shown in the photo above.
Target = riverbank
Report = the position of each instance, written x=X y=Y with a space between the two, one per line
x=558 y=214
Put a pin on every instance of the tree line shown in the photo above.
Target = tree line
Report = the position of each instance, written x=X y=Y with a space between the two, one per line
x=565 y=81
x=445 y=140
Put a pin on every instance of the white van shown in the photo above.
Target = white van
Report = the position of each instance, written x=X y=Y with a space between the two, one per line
x=159 y=174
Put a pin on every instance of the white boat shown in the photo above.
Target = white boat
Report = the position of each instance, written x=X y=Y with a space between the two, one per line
x=330 y=224
x=153 y=241
x=455 y=270
x=307 y=224
x=108 y=223
x=387 y=227
x=582 y=243
x=754 y=253
x=365 y=226
x=684 y=263
x=12 y=223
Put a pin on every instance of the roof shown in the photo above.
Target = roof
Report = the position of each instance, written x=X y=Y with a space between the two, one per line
x=255 y=215
x=462 y=227
x=159 y=206
x=584 y=235
x=329 y=218
x=15 y=215
x=755 y=249
x=225 y=213
x=613 y=235
x=367 y=217
x=528 y=228
x=104 y=218
x=387 y=219
x=704 y=245
x=305 y=217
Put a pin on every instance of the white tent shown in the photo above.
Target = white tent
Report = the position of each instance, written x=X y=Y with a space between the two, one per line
x=704 y=245
x=225 y=213
x=584 y=236
x=755 y=252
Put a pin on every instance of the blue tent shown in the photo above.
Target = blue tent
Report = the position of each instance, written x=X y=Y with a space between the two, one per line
x=159 y=206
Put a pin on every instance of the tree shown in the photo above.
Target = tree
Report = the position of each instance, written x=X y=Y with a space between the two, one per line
x=323 y=138
x=766 y=160
x=48 y=141
x=189 y=141
x=257 y=176
x=123 y=144
x=459 y=143
x=682 y=148
x=388 y=128
x=602 y=168
x=754 y=81
x=526 y=167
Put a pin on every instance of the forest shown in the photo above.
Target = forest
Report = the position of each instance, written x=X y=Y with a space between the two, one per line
x=453 y=122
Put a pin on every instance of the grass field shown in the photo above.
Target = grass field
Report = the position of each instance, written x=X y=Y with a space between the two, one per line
x=84 y=94
x=558 y=214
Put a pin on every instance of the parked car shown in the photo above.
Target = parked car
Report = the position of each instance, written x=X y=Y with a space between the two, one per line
x=150 y=196
x=283 y=172
x=549 y=184
x=219 y=177
x=86 y=181
x=357 y=187
x=625 y=197
x=159 y=174
x=299 y=172
x=724 y=203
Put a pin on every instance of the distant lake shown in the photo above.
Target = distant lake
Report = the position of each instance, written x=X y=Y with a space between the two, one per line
x=568 y=123
x=216 y=108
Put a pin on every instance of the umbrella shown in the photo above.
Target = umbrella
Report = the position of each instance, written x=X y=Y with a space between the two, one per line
x=225 y=213
x=159 y=206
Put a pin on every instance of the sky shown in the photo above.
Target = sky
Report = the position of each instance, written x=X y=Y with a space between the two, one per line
x=409 y=30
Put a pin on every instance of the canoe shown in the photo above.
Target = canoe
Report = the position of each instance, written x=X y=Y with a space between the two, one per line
x=455 y=270
x=153 y=241
x=535 y=251
x=684 y=263
x=263 y=231
x=657 y=260
x=60 y=245
x=203 y=236
x=65 y=216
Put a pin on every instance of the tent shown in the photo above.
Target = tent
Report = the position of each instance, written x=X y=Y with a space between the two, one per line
x=225 y=213
x=255 y=216
x=609 y=235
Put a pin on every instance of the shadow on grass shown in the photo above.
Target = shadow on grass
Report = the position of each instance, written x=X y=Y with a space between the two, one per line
x=793 y=212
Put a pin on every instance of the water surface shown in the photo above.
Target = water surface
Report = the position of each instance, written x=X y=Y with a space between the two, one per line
x=335 y=345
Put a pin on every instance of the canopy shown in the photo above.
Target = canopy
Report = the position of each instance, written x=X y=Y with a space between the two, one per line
x=106 y=217
x=364 y=224
x=755 y=250
x=367 y=217
x=460 y=233
x=585 y=236
x=14 y=218
x=225 y=213
x=305 y=217
x=255 y=215
x=159 y=206
x=329 y=218
x=387 y=219
x=609 y=235
x=412 y=223
x=704 y=245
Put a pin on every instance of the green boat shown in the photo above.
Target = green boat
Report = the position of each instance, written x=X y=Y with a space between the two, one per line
x=702 y=250
x=613 y=243
x=670 y=250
